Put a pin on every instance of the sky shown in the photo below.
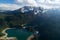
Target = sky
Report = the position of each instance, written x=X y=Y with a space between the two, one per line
x=16 y=4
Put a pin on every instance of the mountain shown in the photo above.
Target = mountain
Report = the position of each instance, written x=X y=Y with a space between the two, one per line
x=18 y=18
x=33 y=18
x=25 y=9
x=29 y=9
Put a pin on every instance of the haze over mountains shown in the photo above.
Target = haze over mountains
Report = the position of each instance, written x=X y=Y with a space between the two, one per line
x=47 y=23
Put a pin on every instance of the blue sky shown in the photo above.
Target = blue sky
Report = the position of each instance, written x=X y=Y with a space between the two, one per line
x=6 y=1
x=16 y=4
x=8 y=5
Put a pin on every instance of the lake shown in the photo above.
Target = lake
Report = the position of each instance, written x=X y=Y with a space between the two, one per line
x=18 y=33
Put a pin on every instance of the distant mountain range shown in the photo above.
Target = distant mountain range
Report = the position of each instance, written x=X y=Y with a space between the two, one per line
x=19 y=17
x=25 y=9
x=47 y=23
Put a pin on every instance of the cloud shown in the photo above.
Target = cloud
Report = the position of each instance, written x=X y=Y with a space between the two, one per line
x=49 y=1
x=26 y=2
x=19 y=1
x=49 y=4
x=36 y=2
x=9 y=6
x=31 y=2
x=46 y=4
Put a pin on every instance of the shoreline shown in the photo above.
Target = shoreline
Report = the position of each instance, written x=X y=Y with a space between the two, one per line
x=30 y=37
x=5 y=32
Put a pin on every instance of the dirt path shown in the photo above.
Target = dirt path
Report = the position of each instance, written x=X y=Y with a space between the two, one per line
x=30 y=37
x=5 y=32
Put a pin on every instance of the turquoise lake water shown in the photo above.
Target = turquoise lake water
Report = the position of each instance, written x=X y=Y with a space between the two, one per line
x=19 y=34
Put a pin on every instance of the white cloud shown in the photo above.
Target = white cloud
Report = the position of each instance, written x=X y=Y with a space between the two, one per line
x=46 y=4
x=31 y=2
x=26 y=2
x=49 y=4
x=9 y=6
x=49 y=1
x=19 y=1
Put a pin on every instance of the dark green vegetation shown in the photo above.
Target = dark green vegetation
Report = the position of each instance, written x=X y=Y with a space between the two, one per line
x=47 y=23
x=3 y=24
x=17 y=19
x=13 y=20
